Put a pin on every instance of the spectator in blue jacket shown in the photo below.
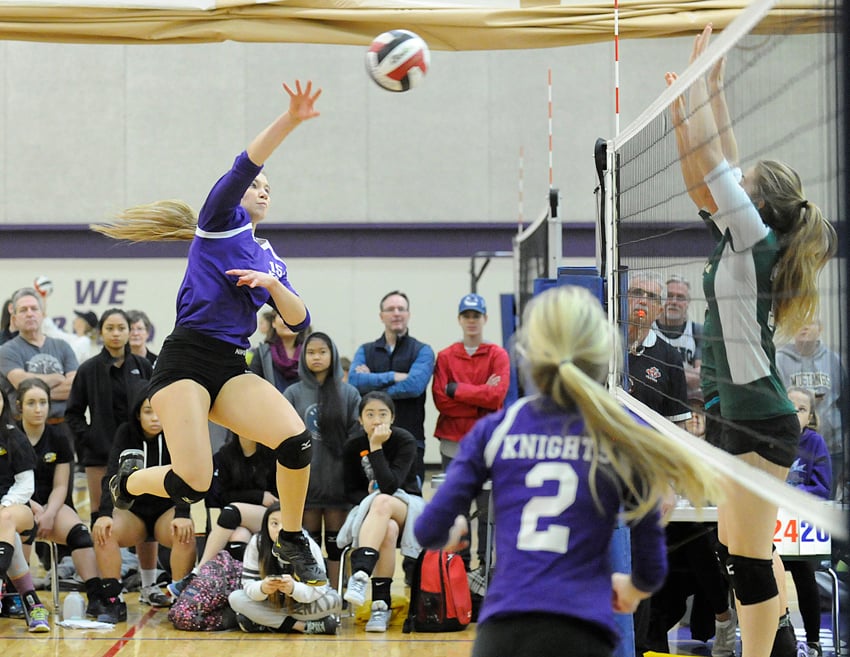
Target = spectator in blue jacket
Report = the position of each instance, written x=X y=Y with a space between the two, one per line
x=400 y=366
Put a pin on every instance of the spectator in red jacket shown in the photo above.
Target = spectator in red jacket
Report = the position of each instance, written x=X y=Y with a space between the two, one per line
x=471 y=380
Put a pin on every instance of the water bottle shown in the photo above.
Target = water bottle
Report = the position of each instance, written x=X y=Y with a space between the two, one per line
x=74 y=607
x=367 y=468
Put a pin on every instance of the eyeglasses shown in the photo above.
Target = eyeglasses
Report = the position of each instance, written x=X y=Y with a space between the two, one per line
x=639 y=292
x=394 y=309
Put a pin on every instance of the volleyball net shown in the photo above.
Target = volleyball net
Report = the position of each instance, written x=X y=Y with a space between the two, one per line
x=782 y=88
x=537 y=253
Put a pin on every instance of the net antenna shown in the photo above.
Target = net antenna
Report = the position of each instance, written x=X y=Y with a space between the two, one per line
x=537 y=252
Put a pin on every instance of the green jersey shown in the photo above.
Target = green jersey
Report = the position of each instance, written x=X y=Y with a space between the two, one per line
x=738 y=287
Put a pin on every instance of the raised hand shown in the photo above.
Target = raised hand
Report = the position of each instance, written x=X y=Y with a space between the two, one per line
x=301 y=102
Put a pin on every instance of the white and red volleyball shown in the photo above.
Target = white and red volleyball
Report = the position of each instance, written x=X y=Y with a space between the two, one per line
x=398 y=60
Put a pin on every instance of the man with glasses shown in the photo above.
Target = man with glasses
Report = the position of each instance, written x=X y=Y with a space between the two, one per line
x=674 y=327
x=656 y=375
x=400 y=366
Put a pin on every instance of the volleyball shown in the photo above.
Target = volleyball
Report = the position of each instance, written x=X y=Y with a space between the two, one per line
x=43 y=285
x=398 y=60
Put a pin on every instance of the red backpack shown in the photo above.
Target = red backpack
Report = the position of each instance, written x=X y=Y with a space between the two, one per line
x=439 y=594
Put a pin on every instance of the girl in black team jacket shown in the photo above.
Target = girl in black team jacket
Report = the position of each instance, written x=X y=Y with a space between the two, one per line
x=150 y=518
x=17 y=467
x=52 y=503
x=103 y=387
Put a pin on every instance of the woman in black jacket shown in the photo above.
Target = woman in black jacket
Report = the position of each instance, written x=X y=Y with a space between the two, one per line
x=103 y=386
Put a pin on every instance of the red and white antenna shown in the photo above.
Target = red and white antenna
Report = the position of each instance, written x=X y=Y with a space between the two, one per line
x=616 y=67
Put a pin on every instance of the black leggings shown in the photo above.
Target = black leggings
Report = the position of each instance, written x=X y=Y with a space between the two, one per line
x=808 y=596
x=541 y=635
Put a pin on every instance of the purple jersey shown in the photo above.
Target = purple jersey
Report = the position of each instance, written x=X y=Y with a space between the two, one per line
x=209 y=301
x=552 y=537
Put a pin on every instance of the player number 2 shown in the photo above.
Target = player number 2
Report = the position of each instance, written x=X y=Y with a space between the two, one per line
x=555 y=538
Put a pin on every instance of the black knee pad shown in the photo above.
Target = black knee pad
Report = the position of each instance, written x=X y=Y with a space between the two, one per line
x=28 y=535
x=295 y=452
x=752 y=579
x=79 y=538
x=229 y=518
x=333 y=550
x=179 y=491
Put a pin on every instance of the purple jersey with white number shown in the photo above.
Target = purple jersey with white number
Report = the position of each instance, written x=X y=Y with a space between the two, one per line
x=209 y=300
x=552 y=537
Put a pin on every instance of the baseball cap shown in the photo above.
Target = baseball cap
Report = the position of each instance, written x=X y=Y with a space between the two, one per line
x=472 y=302
x=88 y=316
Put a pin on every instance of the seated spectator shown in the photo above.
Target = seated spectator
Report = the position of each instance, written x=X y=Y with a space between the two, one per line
x=52 y=502
x=270 y=600
x=17 y=466
x=380 y=478
x=150 y=518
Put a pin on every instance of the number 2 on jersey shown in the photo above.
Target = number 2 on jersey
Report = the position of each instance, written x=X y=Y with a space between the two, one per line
x=555 y=538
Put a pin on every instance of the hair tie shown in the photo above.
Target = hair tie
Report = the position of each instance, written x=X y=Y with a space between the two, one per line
x=565 y=361
x=804 y=204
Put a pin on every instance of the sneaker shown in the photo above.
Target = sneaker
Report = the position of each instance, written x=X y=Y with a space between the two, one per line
x=12 y=607
x=114 y=611
x=725 y=637
x=297 y=554
x=129 y=461
x=379 y=620
x=176 y=588
x=94 y=608
x=39 y=619
x=247 y=625
x=153 y=596
x=326 y=625
x=355 y=590
x=813 y=649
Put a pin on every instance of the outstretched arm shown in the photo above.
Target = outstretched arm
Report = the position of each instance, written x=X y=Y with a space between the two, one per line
x=728 y=143
x=694 y=183
x=301 y=108
x=704 y=136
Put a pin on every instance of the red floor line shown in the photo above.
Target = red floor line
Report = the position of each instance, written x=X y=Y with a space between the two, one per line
x=129 y=634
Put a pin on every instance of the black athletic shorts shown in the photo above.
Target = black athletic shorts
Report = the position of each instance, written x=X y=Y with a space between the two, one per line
x=775 y=438
x=188 y=354
x=541 y=635
x=149 y=509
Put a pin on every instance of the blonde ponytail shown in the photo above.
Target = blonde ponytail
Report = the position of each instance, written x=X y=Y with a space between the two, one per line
x=156 y=222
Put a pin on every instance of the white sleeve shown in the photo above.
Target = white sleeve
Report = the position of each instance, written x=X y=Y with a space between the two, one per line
x=21 y=491
x=735 y=210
